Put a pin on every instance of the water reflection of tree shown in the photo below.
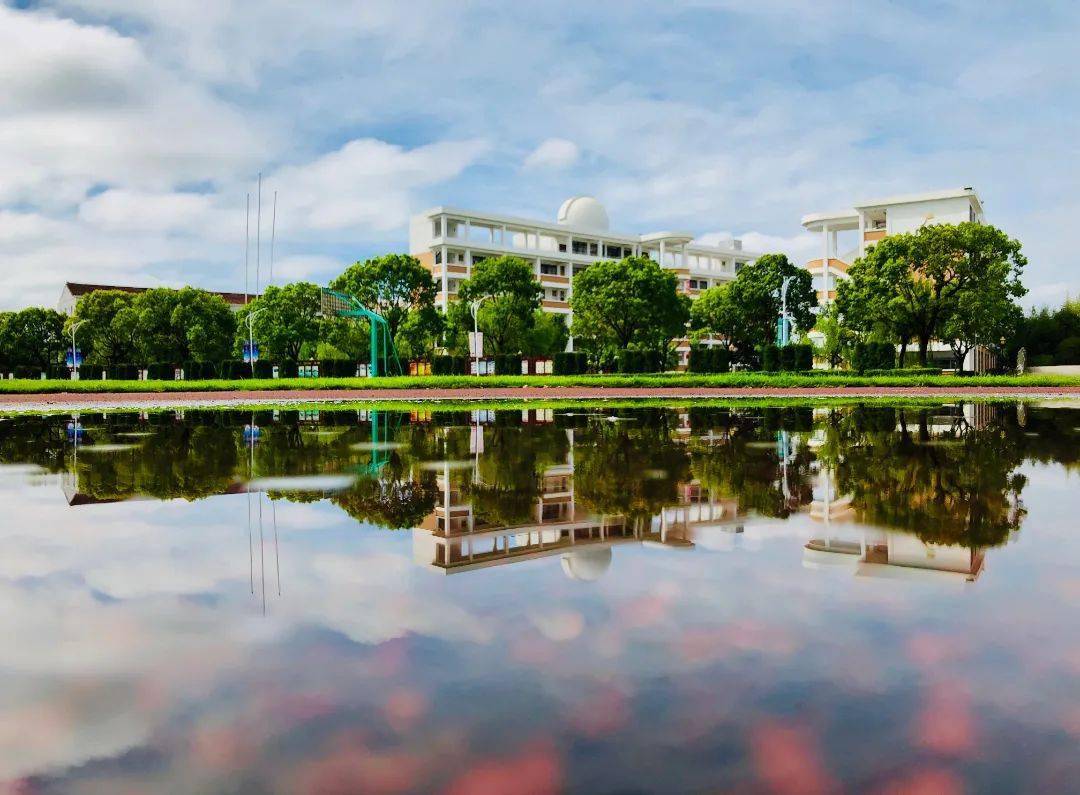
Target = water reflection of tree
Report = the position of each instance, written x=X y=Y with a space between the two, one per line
x=957 y=485
x=507 y=483
x=630 y=468
x=738 y=454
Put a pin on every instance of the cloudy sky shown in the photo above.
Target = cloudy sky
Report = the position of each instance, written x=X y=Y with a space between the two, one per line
x=131 y=131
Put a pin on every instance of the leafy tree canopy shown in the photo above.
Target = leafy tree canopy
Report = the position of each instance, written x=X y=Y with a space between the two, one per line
x=393 y=286
x=511 y=295
x=632 y=302
x=909 y=285
x=288 y=319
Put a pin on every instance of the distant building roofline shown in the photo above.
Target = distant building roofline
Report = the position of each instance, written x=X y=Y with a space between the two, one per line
x=79 y=289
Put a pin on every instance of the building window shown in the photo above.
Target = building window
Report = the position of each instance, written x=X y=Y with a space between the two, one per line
x=455 y=256
x=594 y=249
x=581 y=247
x=438 y=256
x=579 y=268
x=551 y=269
x=436 y=227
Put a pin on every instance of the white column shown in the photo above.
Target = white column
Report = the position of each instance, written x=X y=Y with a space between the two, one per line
x=862 y=234
x=661 y=253
x=825 y=261
x=445 y=280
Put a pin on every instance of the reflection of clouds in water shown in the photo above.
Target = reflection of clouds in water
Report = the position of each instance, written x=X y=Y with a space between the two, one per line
x=316 y=483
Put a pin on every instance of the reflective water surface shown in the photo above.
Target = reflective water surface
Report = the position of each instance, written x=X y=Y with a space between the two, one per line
x=791 y=600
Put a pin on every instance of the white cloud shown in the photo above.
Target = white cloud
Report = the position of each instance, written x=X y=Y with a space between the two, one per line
x=366 y=183
x=84 y=105
x=553 y=153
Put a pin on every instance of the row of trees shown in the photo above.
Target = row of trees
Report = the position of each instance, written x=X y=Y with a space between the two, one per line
x=958 y=283
x=32 y=337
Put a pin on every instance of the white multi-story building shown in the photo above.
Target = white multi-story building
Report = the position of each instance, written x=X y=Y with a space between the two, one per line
x=875 y=219
x=449 y=241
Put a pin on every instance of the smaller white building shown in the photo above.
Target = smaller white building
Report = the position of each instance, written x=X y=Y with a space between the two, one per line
x=875 y=219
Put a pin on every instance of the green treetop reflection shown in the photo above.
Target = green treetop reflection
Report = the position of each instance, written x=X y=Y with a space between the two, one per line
x=486 y=487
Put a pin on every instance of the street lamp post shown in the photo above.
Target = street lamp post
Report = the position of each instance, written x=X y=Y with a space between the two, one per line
x=74 y=355
x=475 y=306
x=783 y=310
x=251 y=338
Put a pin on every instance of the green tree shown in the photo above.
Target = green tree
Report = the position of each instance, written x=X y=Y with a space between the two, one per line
x=909 y=285
x=838 y=337
x=106 y=331
x=755 y=294
x=288 y=320
x=716 y=314
x=513 y=296
x=207 y=323
x=393 y=286
x=33 y=336
x=419 y=334
x=632 y=302
x=982 y=317
x=548 y=336
x=157 y=338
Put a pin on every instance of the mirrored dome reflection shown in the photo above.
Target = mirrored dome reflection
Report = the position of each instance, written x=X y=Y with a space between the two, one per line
x=586 y=565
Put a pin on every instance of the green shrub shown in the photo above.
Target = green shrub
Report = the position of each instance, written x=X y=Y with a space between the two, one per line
x=264 y=369
x=1068 y=351
x=566 y=363
x=873 y=356
x=787 y=358
x=639 y=362
x=804 y=357
x=508 y=364
x=770 y=358
x=442 y=365
x=699 y=360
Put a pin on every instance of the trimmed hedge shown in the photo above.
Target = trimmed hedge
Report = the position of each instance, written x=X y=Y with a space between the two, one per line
x=804 y=357
x=639 y=362
x=873 y=356
x=709 y=360
x=450 y=365
x=770 y=358
x=508 y=364
x=570 y=363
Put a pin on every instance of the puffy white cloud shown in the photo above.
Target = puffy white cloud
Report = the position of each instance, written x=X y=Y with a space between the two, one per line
x=553 y=153
x=366 y=183
x=84 y=105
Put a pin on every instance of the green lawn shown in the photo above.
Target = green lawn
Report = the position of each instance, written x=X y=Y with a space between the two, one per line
x=670 y=380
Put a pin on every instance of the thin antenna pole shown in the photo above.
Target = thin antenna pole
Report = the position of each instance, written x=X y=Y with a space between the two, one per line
x=258 y=235
x=247 y=247
x=273 y=227
x=262 y=556
x=277 y=555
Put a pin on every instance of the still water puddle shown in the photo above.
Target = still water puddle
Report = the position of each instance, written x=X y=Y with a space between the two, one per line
x=793 y=600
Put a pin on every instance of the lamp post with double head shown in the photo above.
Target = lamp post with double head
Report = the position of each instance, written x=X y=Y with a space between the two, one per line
x=475 y=307
x=74 y=353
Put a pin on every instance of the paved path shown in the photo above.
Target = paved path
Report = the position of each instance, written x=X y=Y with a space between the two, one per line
x=63 y=400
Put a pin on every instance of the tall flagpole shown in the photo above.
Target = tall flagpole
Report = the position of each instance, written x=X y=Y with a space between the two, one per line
x=258 y=233
x=273 y=227
x=247 y=247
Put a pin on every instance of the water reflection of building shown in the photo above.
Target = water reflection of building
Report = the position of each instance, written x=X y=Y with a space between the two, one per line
x=453 y=538
x=876 y=551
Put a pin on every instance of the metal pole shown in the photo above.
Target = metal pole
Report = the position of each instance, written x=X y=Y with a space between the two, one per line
x=273 y=228
x=258 y=234
x=247 y=248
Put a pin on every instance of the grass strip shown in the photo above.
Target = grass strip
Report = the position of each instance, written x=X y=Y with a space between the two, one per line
x=657 y=381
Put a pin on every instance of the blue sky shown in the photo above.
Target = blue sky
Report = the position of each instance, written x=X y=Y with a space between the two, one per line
x=130 y=131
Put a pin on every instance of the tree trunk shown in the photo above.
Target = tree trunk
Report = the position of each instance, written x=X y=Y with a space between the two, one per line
x=924 y=346
x=903 y=352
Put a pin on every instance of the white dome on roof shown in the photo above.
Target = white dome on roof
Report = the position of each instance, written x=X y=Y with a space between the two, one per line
x=587 y=565
x=583 y=211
